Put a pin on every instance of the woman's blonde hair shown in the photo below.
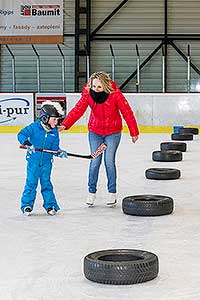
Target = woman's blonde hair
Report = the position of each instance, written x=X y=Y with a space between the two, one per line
x=105 y=80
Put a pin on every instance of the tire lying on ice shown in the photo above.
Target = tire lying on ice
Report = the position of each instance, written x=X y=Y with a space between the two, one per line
x=147 y=205
x=191 y=130
x=162 y=173
x=182 y=137
x=179 y=146
x=167 y=155
x=121 y=266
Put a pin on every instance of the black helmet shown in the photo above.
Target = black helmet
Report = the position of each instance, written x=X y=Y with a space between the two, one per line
x=51 y=109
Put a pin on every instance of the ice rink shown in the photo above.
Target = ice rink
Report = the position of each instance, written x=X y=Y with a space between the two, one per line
x=42 y=256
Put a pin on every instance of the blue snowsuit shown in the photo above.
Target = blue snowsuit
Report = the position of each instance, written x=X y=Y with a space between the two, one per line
x=39 y=164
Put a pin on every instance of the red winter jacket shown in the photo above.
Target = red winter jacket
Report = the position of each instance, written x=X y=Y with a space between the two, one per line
x=104 y=118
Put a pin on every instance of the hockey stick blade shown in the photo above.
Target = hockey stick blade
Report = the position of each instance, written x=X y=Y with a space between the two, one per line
x=95 y=154
x=99 y=150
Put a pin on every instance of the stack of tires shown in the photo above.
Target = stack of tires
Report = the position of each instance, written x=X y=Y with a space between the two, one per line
x=185 y=134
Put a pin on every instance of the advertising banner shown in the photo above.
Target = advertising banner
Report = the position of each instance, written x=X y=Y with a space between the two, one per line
x=31 y=22
x=16 y=109
x=57 y=97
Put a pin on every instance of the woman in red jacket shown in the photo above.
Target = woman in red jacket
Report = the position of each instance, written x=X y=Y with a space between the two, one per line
x=106 y=101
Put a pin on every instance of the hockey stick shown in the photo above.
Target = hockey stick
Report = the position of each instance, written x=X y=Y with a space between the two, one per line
x=95 y=154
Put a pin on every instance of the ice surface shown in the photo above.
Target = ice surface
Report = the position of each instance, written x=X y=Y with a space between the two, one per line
x=41 y=256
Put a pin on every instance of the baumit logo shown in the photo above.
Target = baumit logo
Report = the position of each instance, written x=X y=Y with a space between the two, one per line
x=40 y=10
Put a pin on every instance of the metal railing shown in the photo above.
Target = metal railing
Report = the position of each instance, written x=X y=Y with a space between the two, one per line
x=112 y=62
x=140 y=65
x=13 y=69
x=38 y=67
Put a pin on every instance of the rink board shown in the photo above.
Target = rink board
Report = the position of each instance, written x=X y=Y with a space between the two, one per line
x=155 y=113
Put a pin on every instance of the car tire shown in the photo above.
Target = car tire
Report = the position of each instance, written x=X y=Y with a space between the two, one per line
x=179 y=146
x=167 y=155
x=182 y=137
x=121 y=266
x=162 y=173
x=147 y=205
x=190 y=130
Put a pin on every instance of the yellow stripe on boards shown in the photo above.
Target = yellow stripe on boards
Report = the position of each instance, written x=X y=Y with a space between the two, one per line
x=76 y=129
x=143 y=129
x=156 y=129
x=84 y=129
x=10 y=129
x=161 y=129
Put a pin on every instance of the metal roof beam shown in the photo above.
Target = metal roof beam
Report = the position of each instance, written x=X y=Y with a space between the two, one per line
x=108 y=17
x=142 y=65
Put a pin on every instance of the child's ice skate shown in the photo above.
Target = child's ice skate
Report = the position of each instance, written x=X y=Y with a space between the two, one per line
x=27 y=210
x=51 y=211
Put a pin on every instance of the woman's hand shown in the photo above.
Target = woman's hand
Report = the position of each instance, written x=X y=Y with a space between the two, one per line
x=134 y=138
x=61 y=128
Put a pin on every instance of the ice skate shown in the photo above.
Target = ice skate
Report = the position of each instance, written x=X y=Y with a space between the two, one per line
x=90 y=199
x=27 y=210
x=51 y=211
x=112 y=199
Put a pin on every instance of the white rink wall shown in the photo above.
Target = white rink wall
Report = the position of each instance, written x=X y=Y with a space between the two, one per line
x=155 y=113
x=156 y=109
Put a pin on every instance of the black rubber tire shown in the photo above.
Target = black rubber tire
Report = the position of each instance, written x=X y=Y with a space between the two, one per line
x=121 y=266
x=162 y=173
x=190 y=130
x=173 y=146
x=182 y=137
x=167 y=155
x=147 y=205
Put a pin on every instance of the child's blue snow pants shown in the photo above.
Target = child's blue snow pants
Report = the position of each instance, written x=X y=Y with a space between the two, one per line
x=34 y=173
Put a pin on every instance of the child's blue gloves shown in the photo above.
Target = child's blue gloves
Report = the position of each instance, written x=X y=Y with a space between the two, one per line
x=30 y=149
x=63 y=154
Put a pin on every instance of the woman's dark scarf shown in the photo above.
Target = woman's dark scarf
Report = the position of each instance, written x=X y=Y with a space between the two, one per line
x=99 y=97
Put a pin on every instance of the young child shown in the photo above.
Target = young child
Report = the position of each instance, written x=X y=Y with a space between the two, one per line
x=42 y=133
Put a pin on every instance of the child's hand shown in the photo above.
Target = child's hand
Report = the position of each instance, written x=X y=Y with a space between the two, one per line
x=61 y=128
x=63 y=154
